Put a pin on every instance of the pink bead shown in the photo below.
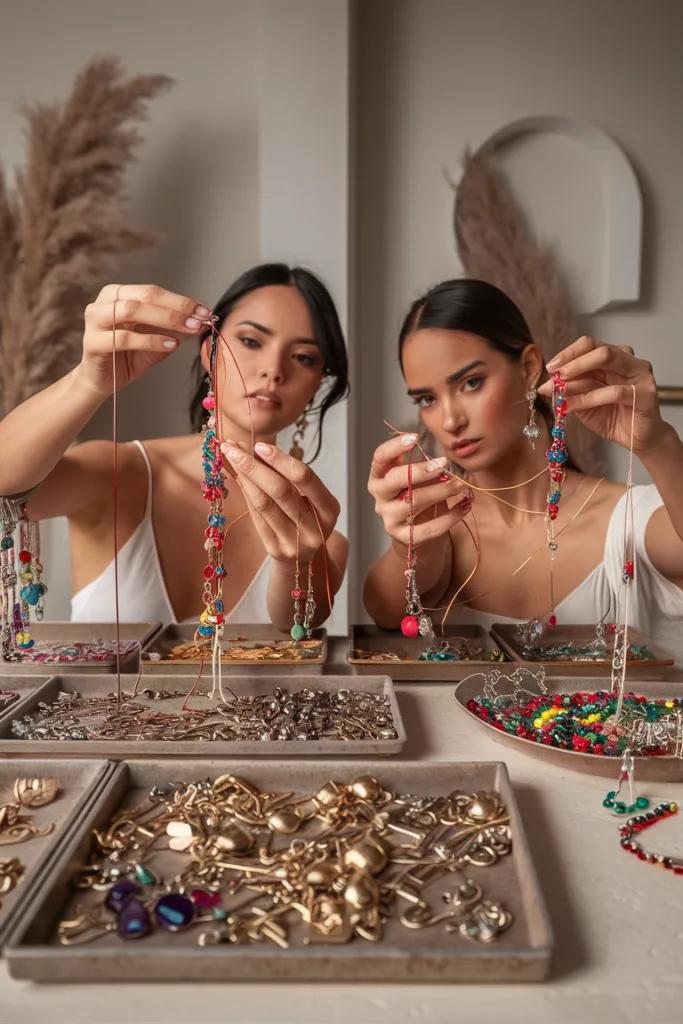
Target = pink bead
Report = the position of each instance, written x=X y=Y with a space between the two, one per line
x=209 y=402
x=296 y=593
x=410 y=626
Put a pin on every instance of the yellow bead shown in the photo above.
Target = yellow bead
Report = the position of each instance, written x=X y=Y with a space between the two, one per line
x=669 y=704
x=545 y=715
x=538 y=723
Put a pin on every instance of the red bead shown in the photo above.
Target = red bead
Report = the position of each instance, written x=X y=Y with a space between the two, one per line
x=296 y=593
x=209 y=402
x=552 y=621
x=444 y=478
x=25 y=556
x=205 y=900
x=410 y=626
x=209 y=572
x=628 y=569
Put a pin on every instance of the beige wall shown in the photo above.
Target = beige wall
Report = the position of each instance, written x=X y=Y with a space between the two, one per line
x=435 y=76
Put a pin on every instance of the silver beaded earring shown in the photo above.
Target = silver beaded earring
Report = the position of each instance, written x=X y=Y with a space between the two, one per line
x=532 y=429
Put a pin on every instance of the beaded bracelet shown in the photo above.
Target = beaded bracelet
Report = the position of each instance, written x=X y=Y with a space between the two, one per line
x=643 y=821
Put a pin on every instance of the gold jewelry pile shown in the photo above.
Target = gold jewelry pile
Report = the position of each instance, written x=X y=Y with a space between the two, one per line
x=244 y=865
x=280 y=650
x=14 y=828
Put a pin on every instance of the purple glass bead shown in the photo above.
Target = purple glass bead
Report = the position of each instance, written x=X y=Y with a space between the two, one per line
x=134 y=920
x=175 y=912
x=119 y=894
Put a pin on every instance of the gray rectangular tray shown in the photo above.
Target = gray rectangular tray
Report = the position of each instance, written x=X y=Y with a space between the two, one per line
x=73 y=632
x=23 y=685
x=183 y=632
x=504 y=633
x=410 y=668
x=521 y=954
x=79 y=782
x=117 y=750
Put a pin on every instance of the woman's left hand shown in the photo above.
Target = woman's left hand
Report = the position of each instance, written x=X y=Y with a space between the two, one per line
x=275 y=487
x=600 y=392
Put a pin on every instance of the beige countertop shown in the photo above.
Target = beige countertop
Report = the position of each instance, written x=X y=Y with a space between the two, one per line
x=618 y=923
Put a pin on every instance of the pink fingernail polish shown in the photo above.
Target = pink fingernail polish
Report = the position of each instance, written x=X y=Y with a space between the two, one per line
x=263 y=449
x=192 y=323
x=202 y=312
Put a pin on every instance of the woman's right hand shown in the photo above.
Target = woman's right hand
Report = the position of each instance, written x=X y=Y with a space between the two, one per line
x=149 y=321
x=434 y=515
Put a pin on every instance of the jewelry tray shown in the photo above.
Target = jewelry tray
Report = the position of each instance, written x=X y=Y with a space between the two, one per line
x=82 y=632
x=372 y=638
x=650 y=769
x=504 y=634
x=79 y=784
x=170 y=636
x=522 y=954
x=94 y=686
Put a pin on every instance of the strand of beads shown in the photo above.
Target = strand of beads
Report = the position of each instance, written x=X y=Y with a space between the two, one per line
x=557 y=453
x=8 y=581
x=638 y=824
x=415 y=622
x=214 y=491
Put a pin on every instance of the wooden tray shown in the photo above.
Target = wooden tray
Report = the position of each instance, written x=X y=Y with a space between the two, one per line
x=521 y=954
x=652 y=769
x=179 y=633
x=78 y=784
x=82 y=632
x=504 y=633
x=410 y=668
x=119 y=750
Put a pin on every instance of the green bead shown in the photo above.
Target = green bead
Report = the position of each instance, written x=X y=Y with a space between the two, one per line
x=607 y=802
x=219 y=913
x=297 y=632
x=6 y=543
x=642 y=802
x=620 y=807
x=144 y=876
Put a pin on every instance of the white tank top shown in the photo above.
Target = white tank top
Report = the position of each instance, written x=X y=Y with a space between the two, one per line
x=142 y=592
x=655 y=603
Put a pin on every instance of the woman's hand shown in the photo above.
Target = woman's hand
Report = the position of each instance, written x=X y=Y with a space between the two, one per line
x=388 y=482
x=600 y=382
x=147 y=322
x=275 y=488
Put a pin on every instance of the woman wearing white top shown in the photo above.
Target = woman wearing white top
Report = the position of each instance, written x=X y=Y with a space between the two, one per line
x=469 y=361
x=283 y=329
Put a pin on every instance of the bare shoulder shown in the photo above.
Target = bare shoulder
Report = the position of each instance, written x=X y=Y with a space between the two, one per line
x=173 y=452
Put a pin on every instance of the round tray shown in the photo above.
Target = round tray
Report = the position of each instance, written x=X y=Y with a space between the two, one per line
x=653 y=769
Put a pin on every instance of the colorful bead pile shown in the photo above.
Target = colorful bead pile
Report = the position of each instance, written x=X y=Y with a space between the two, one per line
x=214 y=492
x=582 y=722
x=642 y=821
x=557 y=453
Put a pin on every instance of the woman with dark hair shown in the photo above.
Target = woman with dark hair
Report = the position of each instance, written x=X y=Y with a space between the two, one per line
x=282 y=329
x=470 y=365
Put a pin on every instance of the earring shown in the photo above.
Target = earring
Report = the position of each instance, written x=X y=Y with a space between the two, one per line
x=296 y=451
x=532 y=429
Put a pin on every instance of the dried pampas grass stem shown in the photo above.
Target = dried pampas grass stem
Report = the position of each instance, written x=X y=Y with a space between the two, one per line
x=496 y=245
x=63 y=224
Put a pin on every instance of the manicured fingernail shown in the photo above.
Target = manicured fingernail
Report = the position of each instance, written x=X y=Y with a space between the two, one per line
x=202 y=312
x=192 y=323
x=435 y=465
x=263 y=449
x=170 y=343
x=234 y=454
x=408 y=439
x=552 y=363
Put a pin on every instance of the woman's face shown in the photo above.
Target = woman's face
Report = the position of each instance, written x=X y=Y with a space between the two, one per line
x=471 y=396
x=270 y=333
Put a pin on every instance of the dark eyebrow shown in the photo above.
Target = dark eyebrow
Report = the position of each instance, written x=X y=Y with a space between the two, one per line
x=454 y=377
x=267 y=330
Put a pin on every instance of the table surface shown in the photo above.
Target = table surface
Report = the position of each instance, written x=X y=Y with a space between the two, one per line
x=618 y=923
